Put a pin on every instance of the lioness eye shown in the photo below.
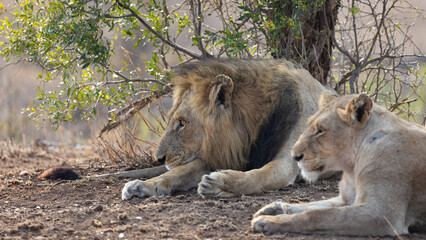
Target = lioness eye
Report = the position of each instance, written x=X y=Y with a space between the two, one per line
x=180 y=125
x=319 y=132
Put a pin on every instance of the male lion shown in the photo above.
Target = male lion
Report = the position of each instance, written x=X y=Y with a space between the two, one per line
x=242 y=115
x=383 y=159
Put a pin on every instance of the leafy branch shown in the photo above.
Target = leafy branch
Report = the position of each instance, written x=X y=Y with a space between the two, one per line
x=136 y=14
x=128 y=80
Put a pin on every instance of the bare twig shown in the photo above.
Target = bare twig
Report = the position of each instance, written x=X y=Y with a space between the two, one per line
x=338 y=46
x=128 y=80
x=163 y=39
x=394 y=230
x=404 y=101
x=197 y=22
x=118 y=17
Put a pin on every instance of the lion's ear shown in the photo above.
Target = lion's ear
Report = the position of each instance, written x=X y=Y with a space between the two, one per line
x=221 y=91
x=357 y=111
x=325 y=98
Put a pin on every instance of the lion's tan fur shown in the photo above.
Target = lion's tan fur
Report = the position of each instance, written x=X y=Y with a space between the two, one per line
x=383 y=159
x=234 y=129
x=220 y=136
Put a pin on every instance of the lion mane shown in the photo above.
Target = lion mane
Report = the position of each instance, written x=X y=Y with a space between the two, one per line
x=254 y=125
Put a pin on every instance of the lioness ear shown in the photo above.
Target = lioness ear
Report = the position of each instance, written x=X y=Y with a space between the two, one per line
x=325 y=98
x=221 y=91
x=357 y=111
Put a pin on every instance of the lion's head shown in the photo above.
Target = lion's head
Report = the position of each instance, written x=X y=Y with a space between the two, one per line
x=216 y=114
x=182 y=140
x=324 y=144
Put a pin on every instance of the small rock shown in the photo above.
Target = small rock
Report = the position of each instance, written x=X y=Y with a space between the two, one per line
x=121 y=235
x=123 y=228
x=122 y=216
x=27 y=225
x=39 y=238
x=98 y=208
x=13 y=182
x=96 y=223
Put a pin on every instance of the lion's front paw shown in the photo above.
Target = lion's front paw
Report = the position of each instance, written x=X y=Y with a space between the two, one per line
x=274 y=208
x=136 y=188
x=143 y=189
x=220 y=184
x=266 y=224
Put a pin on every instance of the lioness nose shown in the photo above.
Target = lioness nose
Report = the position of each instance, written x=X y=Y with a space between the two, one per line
x=161 y=159
x=298 y=158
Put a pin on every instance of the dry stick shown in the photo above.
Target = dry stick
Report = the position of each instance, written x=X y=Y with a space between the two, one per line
x=53 y=184
x=404 y=101
x=57 y=183
x=112 y=153
x=157 y=119
x=394 y=230
x=131 y=110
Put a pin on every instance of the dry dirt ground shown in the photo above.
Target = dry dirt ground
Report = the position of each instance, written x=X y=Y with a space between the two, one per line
x=93 y=209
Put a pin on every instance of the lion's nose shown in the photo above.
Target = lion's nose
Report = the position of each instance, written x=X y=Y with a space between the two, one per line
x=161 y=159
x=298 y=158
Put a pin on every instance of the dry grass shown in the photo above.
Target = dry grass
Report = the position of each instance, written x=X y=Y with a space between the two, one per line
x=10 y=149
x=133 y=142
x=43 y=149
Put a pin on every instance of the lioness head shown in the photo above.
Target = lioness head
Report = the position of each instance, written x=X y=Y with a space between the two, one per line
x=324 y=144
x=200 y=112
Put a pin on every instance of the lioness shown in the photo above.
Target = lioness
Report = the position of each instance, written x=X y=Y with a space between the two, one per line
x=384 y=180
x=243 y=115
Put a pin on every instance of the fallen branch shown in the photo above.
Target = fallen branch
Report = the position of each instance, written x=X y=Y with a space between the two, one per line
x=131 y=110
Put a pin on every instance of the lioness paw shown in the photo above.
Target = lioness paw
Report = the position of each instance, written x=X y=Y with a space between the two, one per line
x=219 y=184
x=265 y=224
x=274 y=208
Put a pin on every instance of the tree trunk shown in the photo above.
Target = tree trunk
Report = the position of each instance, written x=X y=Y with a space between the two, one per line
x=308 y=42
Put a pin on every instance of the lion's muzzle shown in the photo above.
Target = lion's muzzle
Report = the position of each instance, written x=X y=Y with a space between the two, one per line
x=298 y=157
x=161 y=159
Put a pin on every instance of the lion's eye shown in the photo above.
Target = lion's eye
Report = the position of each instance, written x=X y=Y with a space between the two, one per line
x=181 y=124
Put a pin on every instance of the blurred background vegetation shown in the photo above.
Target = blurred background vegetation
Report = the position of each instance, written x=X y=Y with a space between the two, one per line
x=73 y=69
